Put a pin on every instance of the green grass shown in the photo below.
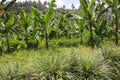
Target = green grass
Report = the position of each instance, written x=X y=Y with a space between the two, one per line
x=81 y=63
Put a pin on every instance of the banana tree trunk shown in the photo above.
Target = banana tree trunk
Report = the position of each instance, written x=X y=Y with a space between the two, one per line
x=26 y=38
x=81 y=38
x=91 y=36
x=116 y=28
x=8 y=44
x=46 y=36
x=27 y=42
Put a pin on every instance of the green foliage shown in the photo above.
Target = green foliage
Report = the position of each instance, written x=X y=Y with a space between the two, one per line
x=113 y=54
x=10 y=21
x=50 y=13
x=17 y=45
x=63 y=63
x=8 y=24
x=85 y=12
x=87 y=26
x=94 y=68
x=109 y=2
x=26 y=22
x=33 y=31
x=63 y=42
x=52 y=66
x=7 y=6
x=91 y=6
x=6 y=28
x=47 y=19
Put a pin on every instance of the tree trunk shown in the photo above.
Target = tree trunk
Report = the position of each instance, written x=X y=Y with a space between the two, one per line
x=91 y=36
x=26 y=42
x=7 y=42
x=116 y=28
x=81 y=41
x=46 y=36
x=26 y=38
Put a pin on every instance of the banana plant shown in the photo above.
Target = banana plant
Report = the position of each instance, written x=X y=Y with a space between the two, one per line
x=78 y=25
x=6 y=28
x=54 y=31
x=91 y=12
x=37 y=30
x=88 y=8
x=7 y=21
x=115 y=6
x=47 y=20
x=81 y=26
x=26 y=21
x=58 y=25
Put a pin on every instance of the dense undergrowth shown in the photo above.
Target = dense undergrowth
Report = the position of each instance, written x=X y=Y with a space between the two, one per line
x=20 y=44
x=46 y=44
x=81 y=63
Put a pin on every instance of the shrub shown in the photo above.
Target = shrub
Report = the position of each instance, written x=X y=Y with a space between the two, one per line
x=16 y=44
x=63 y=42
x=32 y=44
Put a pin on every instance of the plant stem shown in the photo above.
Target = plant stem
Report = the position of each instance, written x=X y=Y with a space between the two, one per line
x=46 y=36
x=7 y=42
x=91 y=36
x=116 y=27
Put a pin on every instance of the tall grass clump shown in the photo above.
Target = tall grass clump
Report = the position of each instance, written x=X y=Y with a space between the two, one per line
x=14 y=71
x=95 y=68
x=112 y=53
x=90 y=66
x=51 y=66
x=17 y=66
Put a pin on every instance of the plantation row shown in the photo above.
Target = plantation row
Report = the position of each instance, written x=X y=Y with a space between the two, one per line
x=96 y=22
x=82 y=63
